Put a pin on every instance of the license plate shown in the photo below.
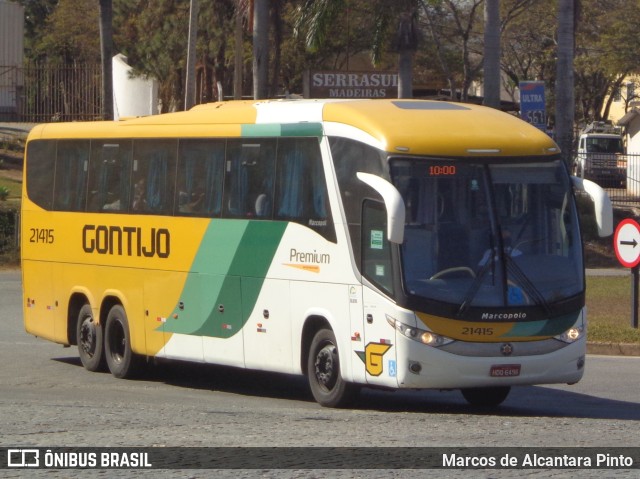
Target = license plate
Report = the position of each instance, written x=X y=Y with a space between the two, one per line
x=505 y=371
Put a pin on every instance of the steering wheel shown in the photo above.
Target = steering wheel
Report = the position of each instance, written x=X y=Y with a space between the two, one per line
x=457 y=269
x=525 y=242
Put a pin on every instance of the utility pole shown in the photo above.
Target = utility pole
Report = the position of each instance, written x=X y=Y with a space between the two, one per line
x=106 y=53
x=190 y=87
x=491 y=63
x=565 y=101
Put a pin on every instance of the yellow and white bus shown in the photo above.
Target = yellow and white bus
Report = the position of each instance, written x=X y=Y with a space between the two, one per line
x=382 y=243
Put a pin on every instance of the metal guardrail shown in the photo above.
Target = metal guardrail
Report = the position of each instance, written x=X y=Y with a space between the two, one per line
x=46 y=93
x=9 y=231
x=620 y=178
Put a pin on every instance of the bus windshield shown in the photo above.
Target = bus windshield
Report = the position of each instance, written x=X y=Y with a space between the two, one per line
x=489 y=234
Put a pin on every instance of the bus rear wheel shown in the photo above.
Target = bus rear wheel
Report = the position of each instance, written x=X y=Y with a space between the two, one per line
x=90 y=342
x=486 y=397
x=121 y=360
x=323 y=371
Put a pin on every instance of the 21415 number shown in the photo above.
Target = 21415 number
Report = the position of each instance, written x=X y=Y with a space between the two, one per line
x=41 y=235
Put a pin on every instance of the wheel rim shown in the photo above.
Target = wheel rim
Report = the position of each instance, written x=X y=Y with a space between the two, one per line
x=87 y=338
x=117 y=342
x=326 y=365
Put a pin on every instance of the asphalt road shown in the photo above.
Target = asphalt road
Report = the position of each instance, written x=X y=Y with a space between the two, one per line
x=47 y=399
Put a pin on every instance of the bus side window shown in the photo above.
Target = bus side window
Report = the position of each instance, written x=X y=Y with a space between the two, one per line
x=301 y=189
x=200 y=177
x=154 y=169
x=41 y=156
x=350 y=157
x=249 y=172
x=109 y=176
x=70 y=184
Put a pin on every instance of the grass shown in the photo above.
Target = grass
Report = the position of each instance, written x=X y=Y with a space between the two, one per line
x=14 y=186
x=609 y=310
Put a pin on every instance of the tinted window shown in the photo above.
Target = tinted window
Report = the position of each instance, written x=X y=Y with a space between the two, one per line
x=154 y=169
x=301 y=189
x=109 y=175
x=72 y=167
x=200 y=177
x=248 y=190
x=40 y=163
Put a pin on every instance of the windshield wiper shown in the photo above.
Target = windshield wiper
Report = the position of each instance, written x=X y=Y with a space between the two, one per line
x=477 y=282
x=527 y=285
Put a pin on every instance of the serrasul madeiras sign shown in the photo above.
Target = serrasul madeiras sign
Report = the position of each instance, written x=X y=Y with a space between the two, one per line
x=338 y=84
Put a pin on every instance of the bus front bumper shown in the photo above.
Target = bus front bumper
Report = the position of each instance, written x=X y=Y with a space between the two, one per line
x=425 y=367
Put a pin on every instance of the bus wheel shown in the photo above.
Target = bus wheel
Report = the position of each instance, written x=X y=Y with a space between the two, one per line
x=90 y=343
x=486 y=397
x=323 y=371
x=122 y=362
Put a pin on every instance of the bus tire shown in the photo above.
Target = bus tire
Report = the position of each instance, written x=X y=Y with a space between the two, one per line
x=90 y=341
x=486 y=397
x=323 y=372
x=121 y=360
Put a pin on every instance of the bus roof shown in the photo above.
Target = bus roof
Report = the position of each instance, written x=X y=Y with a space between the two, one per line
x=419 y=127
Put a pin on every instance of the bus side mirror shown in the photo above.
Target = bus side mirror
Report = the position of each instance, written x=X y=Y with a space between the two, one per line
x=393 y=202
x=601 y=202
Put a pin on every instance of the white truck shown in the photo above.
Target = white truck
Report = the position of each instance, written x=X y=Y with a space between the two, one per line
x=601 y=155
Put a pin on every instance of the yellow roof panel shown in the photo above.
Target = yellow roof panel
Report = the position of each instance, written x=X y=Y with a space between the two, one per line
x=417 y=127
x=441 y=128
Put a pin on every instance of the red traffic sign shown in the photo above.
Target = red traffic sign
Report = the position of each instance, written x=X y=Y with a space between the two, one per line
x=626 y=242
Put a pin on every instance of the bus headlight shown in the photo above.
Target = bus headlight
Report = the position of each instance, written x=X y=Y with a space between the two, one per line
x=420 y=335
x=572 y=334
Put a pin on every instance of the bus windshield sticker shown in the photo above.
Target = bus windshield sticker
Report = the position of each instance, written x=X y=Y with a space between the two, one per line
x=376 y=239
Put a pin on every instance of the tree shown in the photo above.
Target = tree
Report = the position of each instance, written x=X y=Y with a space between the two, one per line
x=70 y=34
x=604 y=58
x=153 y=39
x=406 y=44
x=529 y=44
x=260 y=48
x=240 y=15
x=316 y=18
x=455 y=22
x=36 y=14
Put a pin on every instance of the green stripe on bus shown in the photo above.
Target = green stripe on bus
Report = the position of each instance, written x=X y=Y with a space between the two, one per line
x=545 y=327
x=215 y=301
x=286 y=129
x=302 y=129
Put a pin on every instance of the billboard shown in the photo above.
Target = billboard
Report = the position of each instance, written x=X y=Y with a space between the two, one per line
x=341 y=84
x=532 y=103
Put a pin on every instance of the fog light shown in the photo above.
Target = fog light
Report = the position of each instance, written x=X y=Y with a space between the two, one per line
x=415 y=368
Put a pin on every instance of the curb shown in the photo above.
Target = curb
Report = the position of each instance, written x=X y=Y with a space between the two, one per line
x=607 y=272
x=613 y=349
